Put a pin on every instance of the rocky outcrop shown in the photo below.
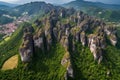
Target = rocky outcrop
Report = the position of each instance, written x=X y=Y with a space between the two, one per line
x=68 y=27
x=96 y=44
x=27 y=47
x=66 y=62
x=39 y=39
x=111 y=32
x=83 y=38
x=113 y=39
x=65 y=42
x=62 y=13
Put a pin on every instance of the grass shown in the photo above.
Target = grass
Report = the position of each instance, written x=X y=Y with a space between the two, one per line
x=4 y=40
x=10 y=63
x=7 y=38
x=11 y=46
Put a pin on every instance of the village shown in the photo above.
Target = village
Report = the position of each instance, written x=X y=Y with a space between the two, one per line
x=10 y=28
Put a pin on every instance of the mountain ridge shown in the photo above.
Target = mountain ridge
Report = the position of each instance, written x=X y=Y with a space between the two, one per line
x=8 y=4
x=97 y=4
x=106 y=12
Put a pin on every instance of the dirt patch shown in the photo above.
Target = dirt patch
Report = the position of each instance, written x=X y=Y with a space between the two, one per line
x=11 y=63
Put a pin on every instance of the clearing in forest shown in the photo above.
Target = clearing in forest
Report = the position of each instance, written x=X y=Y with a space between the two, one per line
x=11 y=63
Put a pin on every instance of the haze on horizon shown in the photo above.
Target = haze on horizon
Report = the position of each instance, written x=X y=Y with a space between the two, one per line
x=60 y=1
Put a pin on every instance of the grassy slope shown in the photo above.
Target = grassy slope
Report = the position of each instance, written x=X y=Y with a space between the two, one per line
x=48 y=65
x=45 y=66
x=87 y=69
x=10 y=47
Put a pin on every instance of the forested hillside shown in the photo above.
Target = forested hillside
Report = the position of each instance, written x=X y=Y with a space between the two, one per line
x=62 y=44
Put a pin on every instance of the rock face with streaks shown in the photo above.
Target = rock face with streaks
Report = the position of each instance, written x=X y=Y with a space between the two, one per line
x=83 y=38
x=113 y=39
x=27 y=47
x=111 y=32
x=66 y=62
x=96 y=44
x=39 y=39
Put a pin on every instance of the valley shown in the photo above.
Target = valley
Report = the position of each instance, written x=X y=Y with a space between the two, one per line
x=65 y=42
x=6 y=30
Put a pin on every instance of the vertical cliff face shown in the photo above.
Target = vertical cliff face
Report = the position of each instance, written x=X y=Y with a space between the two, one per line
x=83 y=38
x=26 y=49
x=39 y=39
x=113 y=39
x=67 y=26
x=96 y=44
x=111 y=32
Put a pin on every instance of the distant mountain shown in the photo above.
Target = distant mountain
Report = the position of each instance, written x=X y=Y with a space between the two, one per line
x=3 y=6
x=6 y=15
x=35 y=8
x=109 y=12
x=6 y=9
x=7 y=4
x=30 y=9
x=81 y=4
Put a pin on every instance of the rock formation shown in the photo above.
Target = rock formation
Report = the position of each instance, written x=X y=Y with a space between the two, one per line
x=113 y=39
x=83 y=38
x=66 y=62
x=111 y=32
x=67 y=26
x=95 y=47
x=38 y=39
x=27 y=47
